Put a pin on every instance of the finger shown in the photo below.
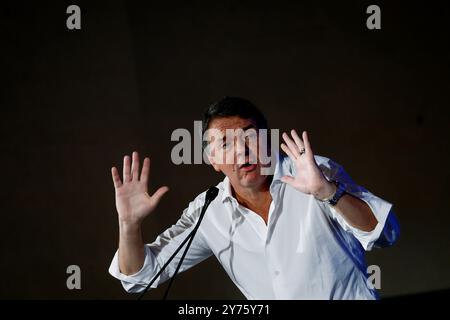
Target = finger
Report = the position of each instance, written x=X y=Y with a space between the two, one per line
x=288 y=152
x=159 y=193
x=126 y=169
x=297 y=140
x=116 y=177
x=288 y=179
x=292 y=146
x=308 y=149
x=145 y=170
x=135 y=166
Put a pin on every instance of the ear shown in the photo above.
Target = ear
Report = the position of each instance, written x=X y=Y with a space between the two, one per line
x=215 y=166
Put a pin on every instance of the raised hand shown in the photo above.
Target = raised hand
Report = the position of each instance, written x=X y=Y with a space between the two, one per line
x=309 y=178
x=133 y=203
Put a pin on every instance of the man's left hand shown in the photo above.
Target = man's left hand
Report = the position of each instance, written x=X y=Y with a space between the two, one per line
x=309 y=178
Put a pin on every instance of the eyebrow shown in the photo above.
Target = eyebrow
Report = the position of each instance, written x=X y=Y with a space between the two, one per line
x=250 y=126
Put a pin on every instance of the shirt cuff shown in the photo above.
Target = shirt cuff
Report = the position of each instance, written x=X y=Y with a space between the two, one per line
x=136 y=282
x=380 y=209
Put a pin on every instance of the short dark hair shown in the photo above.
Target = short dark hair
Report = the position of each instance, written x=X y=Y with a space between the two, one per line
x=233 y=106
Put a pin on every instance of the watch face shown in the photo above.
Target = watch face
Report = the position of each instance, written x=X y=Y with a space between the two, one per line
x=338 y=194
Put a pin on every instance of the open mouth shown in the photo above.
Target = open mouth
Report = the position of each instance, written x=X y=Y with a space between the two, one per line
x=247 y=166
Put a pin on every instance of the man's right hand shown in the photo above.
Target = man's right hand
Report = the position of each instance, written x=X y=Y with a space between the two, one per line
x=133 y=203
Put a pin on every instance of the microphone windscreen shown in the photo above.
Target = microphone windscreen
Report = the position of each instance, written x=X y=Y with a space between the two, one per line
x=211 y=194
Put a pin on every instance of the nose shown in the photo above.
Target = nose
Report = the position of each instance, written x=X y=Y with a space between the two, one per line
x=242 y=150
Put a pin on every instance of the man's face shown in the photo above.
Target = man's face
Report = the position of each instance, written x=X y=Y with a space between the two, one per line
x=233 y=145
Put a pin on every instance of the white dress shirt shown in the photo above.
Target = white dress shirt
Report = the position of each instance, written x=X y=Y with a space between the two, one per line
x=307 y=250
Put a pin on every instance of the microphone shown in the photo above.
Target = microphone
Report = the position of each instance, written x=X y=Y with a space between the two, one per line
x=211 y=194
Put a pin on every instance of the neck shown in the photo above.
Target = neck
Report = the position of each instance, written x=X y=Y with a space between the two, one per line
x=251 y=197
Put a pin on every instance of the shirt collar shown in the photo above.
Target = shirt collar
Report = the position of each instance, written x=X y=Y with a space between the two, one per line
x=279 y=171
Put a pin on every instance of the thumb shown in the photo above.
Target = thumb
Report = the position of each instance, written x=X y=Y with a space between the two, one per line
x=159 y=193
x=288 y=179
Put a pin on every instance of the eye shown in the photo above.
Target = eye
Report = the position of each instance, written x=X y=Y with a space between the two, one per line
x=251 y=134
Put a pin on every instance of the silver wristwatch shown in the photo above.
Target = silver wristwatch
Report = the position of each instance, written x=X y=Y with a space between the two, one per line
x=340 y=191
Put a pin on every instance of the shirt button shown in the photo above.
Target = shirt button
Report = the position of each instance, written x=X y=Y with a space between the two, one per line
x=276 y=272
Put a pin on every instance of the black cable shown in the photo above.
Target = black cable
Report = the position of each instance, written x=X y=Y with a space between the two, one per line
x=211 y=194
x=182 y=257
x=165 y=265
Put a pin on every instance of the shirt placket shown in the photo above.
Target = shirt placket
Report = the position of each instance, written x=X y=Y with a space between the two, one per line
x=273 y=266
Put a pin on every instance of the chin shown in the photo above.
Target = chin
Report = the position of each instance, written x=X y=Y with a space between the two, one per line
x=251 y=181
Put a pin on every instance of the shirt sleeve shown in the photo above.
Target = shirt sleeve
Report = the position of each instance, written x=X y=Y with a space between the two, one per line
x=387 y=229
x=159 y=252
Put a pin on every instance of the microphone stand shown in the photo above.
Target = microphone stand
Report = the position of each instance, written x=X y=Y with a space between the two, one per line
x=211 y=194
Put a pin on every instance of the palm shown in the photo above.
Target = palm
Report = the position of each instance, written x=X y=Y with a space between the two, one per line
x=309 y=178
x=133 y=203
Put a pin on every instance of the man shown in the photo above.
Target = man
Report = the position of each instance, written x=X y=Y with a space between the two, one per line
x=299 y=233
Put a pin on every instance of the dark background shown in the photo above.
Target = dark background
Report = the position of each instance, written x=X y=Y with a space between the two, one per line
x=73 y=103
